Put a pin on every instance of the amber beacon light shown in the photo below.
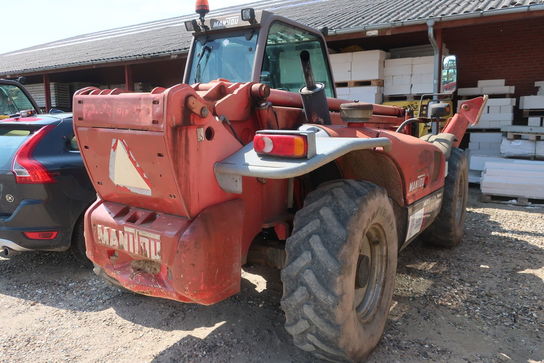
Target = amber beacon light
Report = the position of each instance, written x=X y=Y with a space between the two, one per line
x=202 y=8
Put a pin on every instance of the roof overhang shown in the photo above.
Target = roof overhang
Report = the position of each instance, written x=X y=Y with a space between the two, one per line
x=440 y=22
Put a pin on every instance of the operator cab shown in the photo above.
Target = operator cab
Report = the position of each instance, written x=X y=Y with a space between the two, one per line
x=256 y=46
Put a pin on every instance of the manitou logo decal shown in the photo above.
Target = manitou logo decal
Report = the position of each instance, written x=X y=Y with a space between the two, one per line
x=418 y=183
x=134 y=241
x=125 y=171
x=223 y=23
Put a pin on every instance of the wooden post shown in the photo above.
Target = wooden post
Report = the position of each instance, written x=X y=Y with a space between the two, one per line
x=47 y=92
x=129 y=83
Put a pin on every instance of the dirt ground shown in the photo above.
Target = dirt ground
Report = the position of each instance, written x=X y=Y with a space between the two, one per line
x=480 y=302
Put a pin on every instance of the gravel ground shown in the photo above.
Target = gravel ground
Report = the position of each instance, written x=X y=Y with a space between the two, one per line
x=480 y=302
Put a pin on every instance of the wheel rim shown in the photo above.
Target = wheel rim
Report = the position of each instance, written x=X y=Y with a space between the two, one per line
x=370 y=272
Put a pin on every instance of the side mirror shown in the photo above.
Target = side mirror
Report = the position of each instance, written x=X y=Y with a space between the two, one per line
x=449 y=74
x=55 y=110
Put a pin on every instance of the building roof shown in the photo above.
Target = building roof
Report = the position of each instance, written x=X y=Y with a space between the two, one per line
x=169 y=37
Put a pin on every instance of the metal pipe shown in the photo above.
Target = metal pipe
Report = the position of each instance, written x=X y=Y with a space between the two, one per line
x=436 y=70
x=436 y=65
x=290 y=99
x=7 y=252
x=307 y=69
x=519 y=9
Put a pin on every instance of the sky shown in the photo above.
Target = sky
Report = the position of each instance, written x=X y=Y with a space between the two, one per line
x=26 y=23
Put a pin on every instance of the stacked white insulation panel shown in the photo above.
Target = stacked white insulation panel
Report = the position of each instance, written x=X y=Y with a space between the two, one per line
x=422 y=75
x=523 y=142
x=513 y=178
x=488 y=87
x=476 y=167
x=485 y=143
x=534 y=103
x=499 y=112
x=370 y=94
x=351 y=68
x=405 y=76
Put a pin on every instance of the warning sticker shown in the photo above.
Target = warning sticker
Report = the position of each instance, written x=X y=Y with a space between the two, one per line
x=125 y=170
x=414 y=223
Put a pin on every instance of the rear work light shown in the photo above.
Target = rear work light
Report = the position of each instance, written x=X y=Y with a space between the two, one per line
x=286 y=144
x=26 y=169
x=41 y=235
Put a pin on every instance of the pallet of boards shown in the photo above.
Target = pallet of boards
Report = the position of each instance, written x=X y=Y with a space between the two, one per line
x=513 y=178
x=523 y=142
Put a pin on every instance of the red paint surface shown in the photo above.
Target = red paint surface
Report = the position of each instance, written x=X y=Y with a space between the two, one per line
x=205 y=233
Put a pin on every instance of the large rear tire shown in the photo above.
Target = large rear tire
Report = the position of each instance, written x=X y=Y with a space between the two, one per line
x=340 y=270
x=448 y=228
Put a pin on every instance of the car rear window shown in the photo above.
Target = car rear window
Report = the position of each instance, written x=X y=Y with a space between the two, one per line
x=10 y=140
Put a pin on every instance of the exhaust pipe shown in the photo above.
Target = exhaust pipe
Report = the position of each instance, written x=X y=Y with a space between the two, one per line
x=7 y=252
x=314 y=100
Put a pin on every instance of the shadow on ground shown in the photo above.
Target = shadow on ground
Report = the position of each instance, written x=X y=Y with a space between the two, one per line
x=476 y=302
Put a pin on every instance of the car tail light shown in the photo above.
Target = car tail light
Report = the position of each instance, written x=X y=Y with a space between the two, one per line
x=41 y=235
x=26 y=169
x=285 y=144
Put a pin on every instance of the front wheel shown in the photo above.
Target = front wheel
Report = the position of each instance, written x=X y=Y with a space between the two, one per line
x=340 y=270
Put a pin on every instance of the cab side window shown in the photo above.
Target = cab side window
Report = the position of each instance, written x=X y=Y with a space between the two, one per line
x=281 y=65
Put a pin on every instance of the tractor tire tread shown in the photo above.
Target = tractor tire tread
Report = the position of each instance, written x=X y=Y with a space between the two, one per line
x=309 y=303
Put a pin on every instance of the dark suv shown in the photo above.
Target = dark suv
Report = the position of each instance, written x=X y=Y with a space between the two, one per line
x=44 y=188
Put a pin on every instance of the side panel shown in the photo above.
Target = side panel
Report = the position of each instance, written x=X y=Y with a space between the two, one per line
x=422 y=164
x=127 y=167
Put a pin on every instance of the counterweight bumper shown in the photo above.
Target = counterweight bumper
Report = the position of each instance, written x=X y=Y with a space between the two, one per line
x=168 y=256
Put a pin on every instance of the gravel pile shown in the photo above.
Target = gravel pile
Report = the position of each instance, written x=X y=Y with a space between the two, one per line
x=480 y=302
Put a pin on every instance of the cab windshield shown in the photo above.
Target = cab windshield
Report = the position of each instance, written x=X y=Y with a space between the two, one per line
x=229 y=57
x=13 y=100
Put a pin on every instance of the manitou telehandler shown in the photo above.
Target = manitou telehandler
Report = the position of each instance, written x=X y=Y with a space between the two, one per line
x=187 y=178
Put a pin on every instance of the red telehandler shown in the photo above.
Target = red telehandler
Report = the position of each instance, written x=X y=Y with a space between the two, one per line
x=254 y=141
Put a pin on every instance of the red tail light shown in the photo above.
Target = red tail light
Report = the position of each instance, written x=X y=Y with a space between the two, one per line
x=289 y=145
x=26 y=169
x=41 y=235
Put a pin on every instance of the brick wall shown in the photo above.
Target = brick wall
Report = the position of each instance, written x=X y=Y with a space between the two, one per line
x=511 y=50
